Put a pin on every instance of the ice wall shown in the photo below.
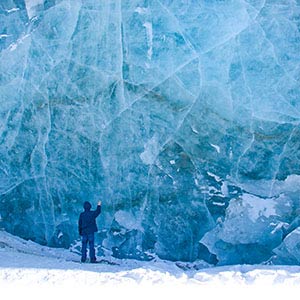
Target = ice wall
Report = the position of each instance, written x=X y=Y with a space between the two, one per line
x=182 y=116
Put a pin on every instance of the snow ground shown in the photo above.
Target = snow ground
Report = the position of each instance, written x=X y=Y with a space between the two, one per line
x=28 y=269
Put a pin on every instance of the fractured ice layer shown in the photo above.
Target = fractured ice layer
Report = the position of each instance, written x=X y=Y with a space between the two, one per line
x=182 y=116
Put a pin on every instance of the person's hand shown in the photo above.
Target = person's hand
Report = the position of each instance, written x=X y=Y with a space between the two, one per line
x=99 y=203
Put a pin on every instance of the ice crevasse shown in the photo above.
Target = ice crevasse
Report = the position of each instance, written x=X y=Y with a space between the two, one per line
x=181 y=116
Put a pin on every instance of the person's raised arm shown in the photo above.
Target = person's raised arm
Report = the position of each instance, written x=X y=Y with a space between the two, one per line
x=98 y=209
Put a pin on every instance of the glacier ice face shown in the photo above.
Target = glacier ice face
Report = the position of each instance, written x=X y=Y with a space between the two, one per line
x=183 y=117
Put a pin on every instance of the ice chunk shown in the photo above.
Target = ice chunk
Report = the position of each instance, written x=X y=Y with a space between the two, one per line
x=31 y=5
x=249 y=226
x=288 y=251
x=128 y=220
x=151 y=151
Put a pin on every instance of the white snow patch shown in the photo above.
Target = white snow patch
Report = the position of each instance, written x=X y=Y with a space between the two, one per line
x=217 y=148
x=33 y=272
x=224 y=189
x=278 y=226
x=14 y=46
x=217 y=178
x=218 y=203
x=141 y=10
x=194 y=130
x=12 y=10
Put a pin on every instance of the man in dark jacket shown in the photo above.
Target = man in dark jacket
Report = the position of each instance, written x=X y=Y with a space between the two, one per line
x=87 y=227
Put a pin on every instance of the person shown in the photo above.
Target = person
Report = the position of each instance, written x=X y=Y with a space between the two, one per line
x=87 y=227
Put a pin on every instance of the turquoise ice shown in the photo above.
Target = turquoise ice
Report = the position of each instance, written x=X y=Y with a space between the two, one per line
x=181 y=116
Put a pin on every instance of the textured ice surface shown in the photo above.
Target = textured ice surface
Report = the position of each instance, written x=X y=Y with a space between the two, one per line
x=182 y=116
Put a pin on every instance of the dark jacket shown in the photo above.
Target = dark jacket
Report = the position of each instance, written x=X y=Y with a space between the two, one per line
x=87 y=219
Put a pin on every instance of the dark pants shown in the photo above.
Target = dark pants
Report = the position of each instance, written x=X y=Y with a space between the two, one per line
x=88 y=238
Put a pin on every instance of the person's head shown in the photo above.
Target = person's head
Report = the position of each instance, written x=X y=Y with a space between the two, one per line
x=87 y=206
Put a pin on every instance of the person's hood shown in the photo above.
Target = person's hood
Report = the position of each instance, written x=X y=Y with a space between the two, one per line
x=87 y=206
